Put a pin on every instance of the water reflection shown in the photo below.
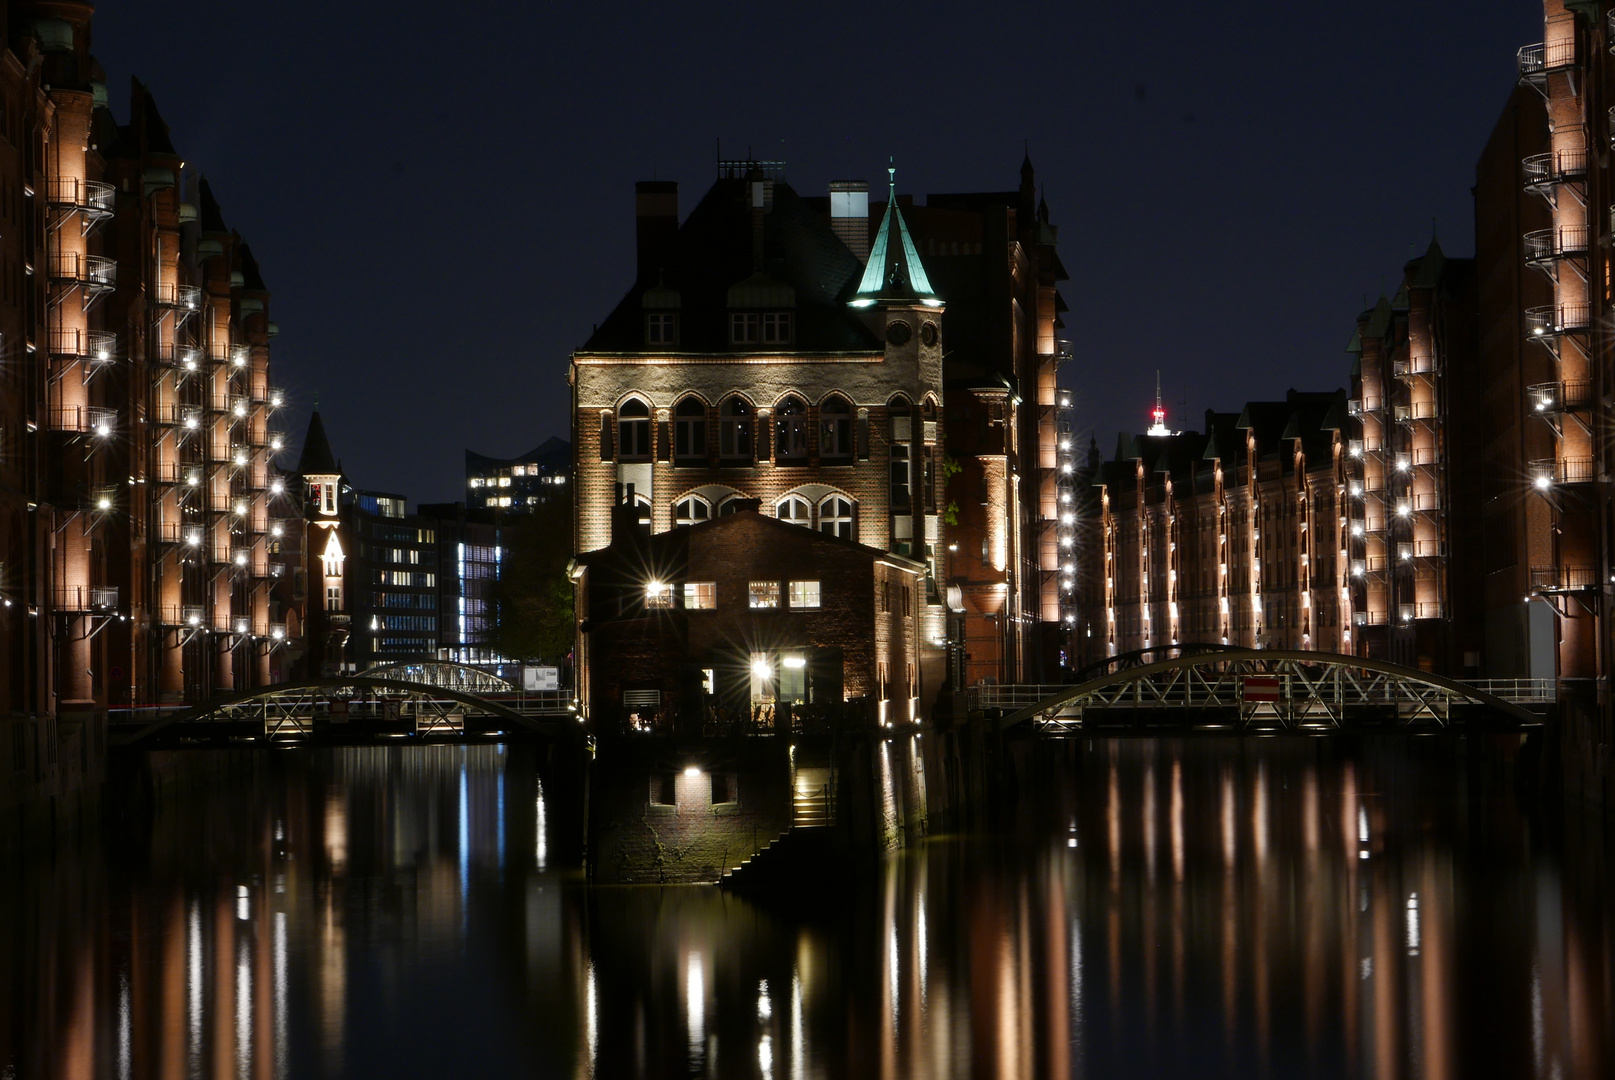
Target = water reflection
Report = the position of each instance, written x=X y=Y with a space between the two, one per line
x=1157 y=909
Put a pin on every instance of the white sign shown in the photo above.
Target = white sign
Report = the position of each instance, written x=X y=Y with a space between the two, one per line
x=541 y=678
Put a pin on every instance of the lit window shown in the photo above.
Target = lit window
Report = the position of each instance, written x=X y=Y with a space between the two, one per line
x=764 y=594
x=804 y=594
x=689 y=511
x=700 y=595
x=658 y=594
x=795 y=510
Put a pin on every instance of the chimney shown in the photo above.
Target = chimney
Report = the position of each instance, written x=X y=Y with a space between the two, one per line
x=656 y=209
x=849 y=215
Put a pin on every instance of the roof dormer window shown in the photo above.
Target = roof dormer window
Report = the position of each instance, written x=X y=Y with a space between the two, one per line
x=760 y=328
x=662 y=328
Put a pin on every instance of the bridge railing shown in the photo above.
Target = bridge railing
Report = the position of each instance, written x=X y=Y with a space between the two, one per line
x=1012 y=696
x=1519 y=691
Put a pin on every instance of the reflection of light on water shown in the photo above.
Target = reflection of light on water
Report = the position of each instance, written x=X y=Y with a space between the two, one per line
x=541 y=853
x=765 y=1055
x=193 y=987
x=796 y=1027
x=336 y=832
x=592 y=1018
x=1227 y=818
x=501 y=817
x=695 y=1005
x=1536 y=1015
x=919 y=942
x=125 y=1025
x=1176 y=812
x=1413 y=924
x=1076 y=992
x=243 y=903
x=892 y=970
x=765 y=1007
x=280 y=994
x=243 y=1009
x=1362 y=825
x=465 y=829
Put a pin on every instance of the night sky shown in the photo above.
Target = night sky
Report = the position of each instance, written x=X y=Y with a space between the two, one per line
x=441 y=196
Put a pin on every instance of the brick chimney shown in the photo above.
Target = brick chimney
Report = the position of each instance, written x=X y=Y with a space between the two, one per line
x=656 y=208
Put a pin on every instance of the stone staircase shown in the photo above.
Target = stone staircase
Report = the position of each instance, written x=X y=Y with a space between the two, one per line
x=797 y=855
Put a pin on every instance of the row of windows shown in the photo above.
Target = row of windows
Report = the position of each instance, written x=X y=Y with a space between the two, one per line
x=745 y=328
x=736 y=427
x=409 y=622
x=703 y=595
x=835 y=513
x=422 y=579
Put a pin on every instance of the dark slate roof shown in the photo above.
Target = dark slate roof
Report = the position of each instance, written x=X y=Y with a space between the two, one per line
x=317 y=456
x=250 y=277
x=713 y=252
x=212 y=217
x=158 y=140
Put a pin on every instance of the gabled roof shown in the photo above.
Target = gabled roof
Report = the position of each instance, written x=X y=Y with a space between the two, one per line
x=894 y=270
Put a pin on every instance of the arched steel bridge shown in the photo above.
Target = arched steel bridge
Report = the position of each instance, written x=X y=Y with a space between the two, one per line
x=352 y=708
x=1232 y=690
x=472 y=680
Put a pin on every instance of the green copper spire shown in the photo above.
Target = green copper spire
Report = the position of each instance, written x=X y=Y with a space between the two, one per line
x=894 y=270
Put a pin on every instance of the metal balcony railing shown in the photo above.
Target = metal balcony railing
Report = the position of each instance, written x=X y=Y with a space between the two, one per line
x=1553 y=320
x=1536 y=61
x=96 y=196
x=1547 y=399
x=1564 y=579
x=95 y=346
x=174 y=295
x=240 y=355
x=171 y=354
x=1544 y=246
x=1405 y=612
x=1426 y=456
x=87 y=598
x=1541 y=171
x=1546 y=472
x=1354 y=407
x=1427 y=609
x=1427 y=549
x=95 y=272
x=1426 y=501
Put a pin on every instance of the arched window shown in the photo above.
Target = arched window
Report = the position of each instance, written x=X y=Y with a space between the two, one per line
x=690 y=431
x=835 y=430
x=690 y=510
x=794 y=509
x=735 y=421
x=836 y=517
x=791 y=431
x=633 y=431
x=731 y=505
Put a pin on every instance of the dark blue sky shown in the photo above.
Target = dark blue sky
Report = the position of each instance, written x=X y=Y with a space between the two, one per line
x=441 y=196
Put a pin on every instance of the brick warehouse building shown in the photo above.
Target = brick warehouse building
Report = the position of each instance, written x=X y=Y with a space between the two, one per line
x=756 y=357
x=138 y=501
x=972 y=490
x=718 y=625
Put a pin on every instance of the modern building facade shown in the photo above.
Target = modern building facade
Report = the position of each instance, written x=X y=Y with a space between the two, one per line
x=519 y=484
x=138 y=501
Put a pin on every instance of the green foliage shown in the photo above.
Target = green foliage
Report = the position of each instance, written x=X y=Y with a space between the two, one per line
x=950 y=512
x=950 y=469
x=532 y=599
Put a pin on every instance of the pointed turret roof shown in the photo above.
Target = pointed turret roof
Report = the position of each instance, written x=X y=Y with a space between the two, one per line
x=894 y=270
x=317 y=459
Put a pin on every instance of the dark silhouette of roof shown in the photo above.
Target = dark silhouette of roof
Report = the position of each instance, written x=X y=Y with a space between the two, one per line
x=317 y=457
x=713 y=252
x=552 y=455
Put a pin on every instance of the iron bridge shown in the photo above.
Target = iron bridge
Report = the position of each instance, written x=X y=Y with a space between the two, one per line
x=1248 y=690
x=355 y=708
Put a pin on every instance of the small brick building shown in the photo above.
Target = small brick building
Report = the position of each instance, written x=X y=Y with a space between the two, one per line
x=735 y=622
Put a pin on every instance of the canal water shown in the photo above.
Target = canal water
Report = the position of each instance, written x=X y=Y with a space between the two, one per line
x=1271 y=908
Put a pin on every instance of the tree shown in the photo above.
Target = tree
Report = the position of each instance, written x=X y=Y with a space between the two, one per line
x=532 y=600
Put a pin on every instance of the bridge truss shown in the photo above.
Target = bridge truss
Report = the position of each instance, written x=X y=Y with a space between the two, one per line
x=352 y=708
x=1242 y=689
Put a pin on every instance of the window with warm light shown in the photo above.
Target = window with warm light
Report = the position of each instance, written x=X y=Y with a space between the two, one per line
x=804 y=594
x=658 y=594
x=763 y=594
x=700 y=595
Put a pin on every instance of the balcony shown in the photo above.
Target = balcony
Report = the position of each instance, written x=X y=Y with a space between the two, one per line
x=1370 y=618
x=1543 y=172
x=1426 y=502
x=1427 y=609
x=1544 y=248
x=92 y=346
x=240 y=356
x=97 y=199
x=1553 y=398
x=185 y=358
x=1537 y=62
x=1413 y=365
x=1559 y=580
x=98 y=599
x=1426 y=456
x=1546 y=473
x=185 y=298
x=98 y=423
x=1553 y=320
x=95 y=273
